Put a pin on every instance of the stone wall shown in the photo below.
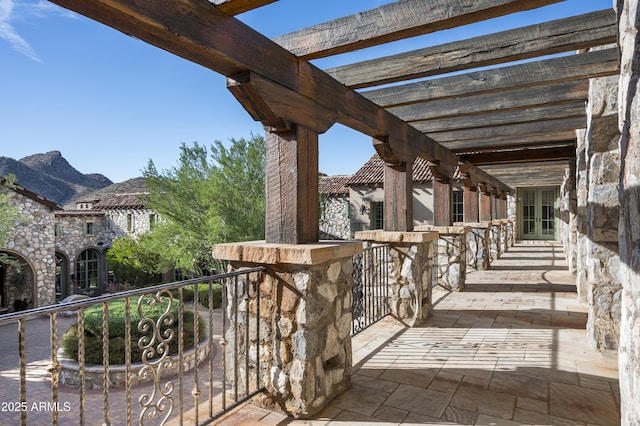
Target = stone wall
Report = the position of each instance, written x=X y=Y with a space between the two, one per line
x=33 y=242
x=602 y=212
x=477 y=247
x=568 y=221
x=629 y=235
x=582 y=241
x=141 y=221
x=334 y=218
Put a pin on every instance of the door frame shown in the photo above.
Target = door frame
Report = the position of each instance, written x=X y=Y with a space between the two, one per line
x=538 y=209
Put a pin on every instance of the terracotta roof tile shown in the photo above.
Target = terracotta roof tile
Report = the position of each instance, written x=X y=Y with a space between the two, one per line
x=122 y=201
x=372 y=172
x=334 y=185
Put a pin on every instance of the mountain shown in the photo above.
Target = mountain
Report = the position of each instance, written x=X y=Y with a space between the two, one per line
x=51 y=176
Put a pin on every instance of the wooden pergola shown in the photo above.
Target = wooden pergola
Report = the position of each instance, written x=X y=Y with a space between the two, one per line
x=508 y=120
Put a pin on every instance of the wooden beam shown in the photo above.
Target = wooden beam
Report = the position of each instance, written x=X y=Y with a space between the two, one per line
x=503 y=118
x=396 y=21
x=398 y=197
x=537 y=140
x=563 y=35
x=521 y=156
x=291 y=186
x=567 y=68
x=548 y=173
x=471 y=204
x=202 y=34
x=236 y=7
x=552 y=94
x=485 y=205
x=442 y=202
x=474 y=176
x=466 y=139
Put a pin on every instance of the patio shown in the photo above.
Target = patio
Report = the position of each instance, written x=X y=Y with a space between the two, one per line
x=510 y=349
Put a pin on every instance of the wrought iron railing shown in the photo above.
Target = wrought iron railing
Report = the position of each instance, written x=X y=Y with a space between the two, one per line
x=168 y=384
x=370 y=290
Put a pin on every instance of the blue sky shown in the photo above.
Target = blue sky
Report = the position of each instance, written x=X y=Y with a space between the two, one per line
x=110 y=102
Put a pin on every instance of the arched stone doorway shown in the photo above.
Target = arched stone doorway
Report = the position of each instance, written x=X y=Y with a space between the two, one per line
x=16 y=284
x=62 y=276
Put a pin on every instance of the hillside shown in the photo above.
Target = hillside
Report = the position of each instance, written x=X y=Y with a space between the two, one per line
x=51 y=176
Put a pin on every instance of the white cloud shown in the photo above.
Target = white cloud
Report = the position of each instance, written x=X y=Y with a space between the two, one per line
x=9 y=13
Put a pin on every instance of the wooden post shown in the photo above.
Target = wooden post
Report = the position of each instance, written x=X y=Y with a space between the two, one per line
x=504 y=214
x=442 y=202
x=495 y=211
x=398 y=197
x=291 y=186
x=485 y=204
x=470 y=204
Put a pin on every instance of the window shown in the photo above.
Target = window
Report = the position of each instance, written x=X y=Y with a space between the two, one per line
x=57 y=230
x=89 y=228
x=129 y=222
x=458 y=206
x=87 y=270
x=377 y=215
x=152 y=221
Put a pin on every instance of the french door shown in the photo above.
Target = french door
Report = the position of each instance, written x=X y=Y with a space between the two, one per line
x=538 y=213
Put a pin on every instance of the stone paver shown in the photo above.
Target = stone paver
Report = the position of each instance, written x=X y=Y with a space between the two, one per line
x=510 y=349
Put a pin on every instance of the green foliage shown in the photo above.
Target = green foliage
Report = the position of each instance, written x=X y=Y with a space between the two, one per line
x=116 y=312
x=203 y=294
x=133 y=262
x=211 y=196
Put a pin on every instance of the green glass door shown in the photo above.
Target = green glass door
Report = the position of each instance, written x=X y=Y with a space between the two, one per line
x=538 y=213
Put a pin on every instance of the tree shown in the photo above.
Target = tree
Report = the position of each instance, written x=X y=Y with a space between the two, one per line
x=132 y=262
x=209 y=197
x=9 y=216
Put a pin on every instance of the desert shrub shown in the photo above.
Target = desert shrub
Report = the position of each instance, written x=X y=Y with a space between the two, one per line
x=116 y=312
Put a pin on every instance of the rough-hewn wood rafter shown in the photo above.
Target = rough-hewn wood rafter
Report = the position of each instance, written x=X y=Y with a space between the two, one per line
x=235 y=7
x=521 y=156
x=576 y=32
x=530 y=97
x=568 y=68
x=395 y=21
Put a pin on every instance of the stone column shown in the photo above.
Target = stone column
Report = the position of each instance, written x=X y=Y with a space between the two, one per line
x=504 y=231
x=451 y=256
x=629 y=235
x=304 y=316
x=410 y=272
x=568 y=209
x=582 y=243
x=603 y=212
x=477 y=244
x=494 y=239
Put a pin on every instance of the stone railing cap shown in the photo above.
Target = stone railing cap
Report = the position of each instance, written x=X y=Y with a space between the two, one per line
x=262 y=253
x=496 y=222
x=447 y=230
x=380 y=236
x=483 y=225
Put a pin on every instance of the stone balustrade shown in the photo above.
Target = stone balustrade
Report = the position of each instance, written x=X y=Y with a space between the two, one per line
x=410 y=272
x=477 y=244
x=494 y=239
x=304 y=313
x=451 y=255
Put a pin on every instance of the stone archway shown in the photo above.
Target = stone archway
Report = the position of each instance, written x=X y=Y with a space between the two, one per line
x=17 y=284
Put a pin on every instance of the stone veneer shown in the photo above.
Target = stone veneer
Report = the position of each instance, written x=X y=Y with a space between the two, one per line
x=304 y=315
x=451 y=255
x=410 y=272
x=495 y=231
x=568 y=218
x=477 y=244
x=602 y=212
x=33 y=242
x=582 y=241
x=335 y=223
x=629 y=232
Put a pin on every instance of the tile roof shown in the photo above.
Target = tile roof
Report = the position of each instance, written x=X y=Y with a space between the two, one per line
x=78 y=213
x=334 y=185
x=122 y=201
x=372 y=172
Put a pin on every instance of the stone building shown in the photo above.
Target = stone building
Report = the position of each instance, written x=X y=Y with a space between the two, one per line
x=334 y=208
x=31 y=244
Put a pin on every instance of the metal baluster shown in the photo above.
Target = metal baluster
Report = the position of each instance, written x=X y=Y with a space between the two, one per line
x=235 y=338
x=127 y=354
x=105 y=360
x=211 y=349
x=81 y=364
x=55 y=365
x=258 y=330
x=180 y=354
x=247 y=330
x=196 y=337
x=22 y=337
x=223 y=343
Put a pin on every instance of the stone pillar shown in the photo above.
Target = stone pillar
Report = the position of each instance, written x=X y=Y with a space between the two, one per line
x=304 y=315
x=629 y=235
x=603 y=212
x=477 y=244
x=582 y=241
x=494 y=240
x=410 y=272
x=504 y=231
x=451 y=256
x=568 y=209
